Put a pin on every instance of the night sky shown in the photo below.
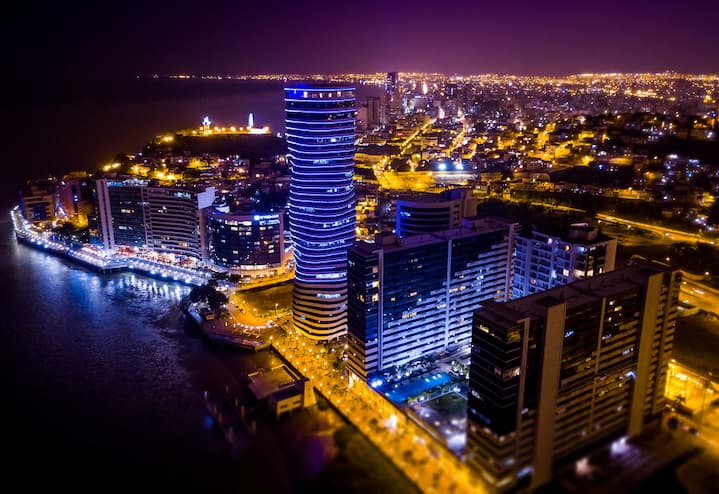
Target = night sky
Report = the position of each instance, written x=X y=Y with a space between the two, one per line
x=464 y=37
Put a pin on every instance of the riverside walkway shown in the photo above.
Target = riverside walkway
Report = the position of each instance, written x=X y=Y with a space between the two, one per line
x=426 y=462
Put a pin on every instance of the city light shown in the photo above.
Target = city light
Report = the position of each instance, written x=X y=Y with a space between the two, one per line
x=415 y=244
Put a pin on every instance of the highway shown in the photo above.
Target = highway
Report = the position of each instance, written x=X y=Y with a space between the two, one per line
x=699 y=294
x=670 y=233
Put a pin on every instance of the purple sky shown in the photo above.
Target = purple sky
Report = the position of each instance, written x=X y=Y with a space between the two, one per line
x=462 y=36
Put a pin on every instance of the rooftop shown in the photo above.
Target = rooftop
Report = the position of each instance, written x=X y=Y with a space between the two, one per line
x=576 y=233
x=267 y=382
x=390 y=242
x=319 y=86
x=578 y=293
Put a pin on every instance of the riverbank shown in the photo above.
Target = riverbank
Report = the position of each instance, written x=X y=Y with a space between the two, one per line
x=108 y=376
x=228 y=332
x=106 y=264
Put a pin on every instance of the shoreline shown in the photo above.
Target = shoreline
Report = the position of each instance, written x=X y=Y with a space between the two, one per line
x=115 y=265
x=223 y=335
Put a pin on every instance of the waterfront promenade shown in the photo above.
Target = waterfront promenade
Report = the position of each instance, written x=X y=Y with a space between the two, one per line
x=423 y=459
x=411 y=448
x=420 y=454
x=103 y=262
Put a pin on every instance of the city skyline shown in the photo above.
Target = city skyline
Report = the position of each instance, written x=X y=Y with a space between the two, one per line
x=109 y=42
x=412 y=247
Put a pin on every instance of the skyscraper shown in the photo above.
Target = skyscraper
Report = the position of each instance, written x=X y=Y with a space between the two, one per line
x=543 y=260
x=559 y=372
x=414 y=297
x=392 y=89
x=430 y=212
x=320 y=130
x=166 y=220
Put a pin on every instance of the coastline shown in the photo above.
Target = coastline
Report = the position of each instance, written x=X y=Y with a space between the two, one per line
x=105 y=265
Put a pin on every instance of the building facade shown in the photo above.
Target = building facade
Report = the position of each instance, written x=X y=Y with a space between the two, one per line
x=250 y=243
x=392 y=90
x=75 y=193
x=434 y=212
x=320 y=131
x=543 y=261
x=557 y=373
x=413 y=297
x=38 y=201
x=165 y=220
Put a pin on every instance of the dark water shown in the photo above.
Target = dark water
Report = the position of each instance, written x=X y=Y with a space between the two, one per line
x=60 y=127
x=103 y=385
x=102 y=380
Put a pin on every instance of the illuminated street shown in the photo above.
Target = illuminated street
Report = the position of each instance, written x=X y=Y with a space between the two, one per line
x=430 y=466
x=699 y=294
x=670 y=233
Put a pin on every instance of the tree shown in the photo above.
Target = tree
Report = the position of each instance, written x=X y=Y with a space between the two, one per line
x=216 y=300
x=714 y=213
x=196 y=294
x=342 y=436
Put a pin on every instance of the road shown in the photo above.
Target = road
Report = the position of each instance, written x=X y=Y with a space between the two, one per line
x=428 y=464
x=670 y=233
x=698 y=294
x=432 y=467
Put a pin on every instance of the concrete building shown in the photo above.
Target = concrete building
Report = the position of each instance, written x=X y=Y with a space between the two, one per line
x=283 y=389
x=76 y=196
x=320 y=130
x=557 y=373
x=429 y=212
x=246 y=241
x=38 y=200
x=166 y=220
x=392 y=89
x=414 y=296
x=372 y=113
x=545 y=260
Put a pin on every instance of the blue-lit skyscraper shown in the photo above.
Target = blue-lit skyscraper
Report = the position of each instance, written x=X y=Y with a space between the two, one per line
x=320 y=130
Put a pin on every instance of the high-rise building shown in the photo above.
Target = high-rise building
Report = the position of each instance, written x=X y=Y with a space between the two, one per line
x=414 y=296
x=372 y=113
x=392 y=81
x=557 y=373
x=392 y=88
x=543 y=260
x=375 y=112
x=38 y=200
x=434 y=212
x=246 y=241
x=320 y=130
x=75 y=191
x=165 y=220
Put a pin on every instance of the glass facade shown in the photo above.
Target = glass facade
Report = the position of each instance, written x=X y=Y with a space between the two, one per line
x=245 y=241
x=320 y=131
x=414 y=297
x=127 y=207
x=557 y=373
